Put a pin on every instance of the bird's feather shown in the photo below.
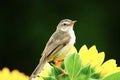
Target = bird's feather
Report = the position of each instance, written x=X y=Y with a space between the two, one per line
x=55 y=43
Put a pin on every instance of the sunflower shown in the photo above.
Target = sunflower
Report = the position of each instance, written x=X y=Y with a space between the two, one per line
x=95 y=59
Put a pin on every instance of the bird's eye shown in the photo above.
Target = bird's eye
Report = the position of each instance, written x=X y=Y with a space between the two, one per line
x=64 y=24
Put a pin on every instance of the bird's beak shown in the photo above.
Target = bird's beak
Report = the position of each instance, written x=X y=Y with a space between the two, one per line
x=72 y=23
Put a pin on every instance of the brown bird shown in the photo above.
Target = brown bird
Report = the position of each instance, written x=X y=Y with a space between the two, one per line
x=57 y=46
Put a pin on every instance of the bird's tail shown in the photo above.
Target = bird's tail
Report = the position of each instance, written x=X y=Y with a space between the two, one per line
x=38 y=69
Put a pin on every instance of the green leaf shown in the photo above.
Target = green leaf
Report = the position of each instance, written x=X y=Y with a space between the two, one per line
x=115 y=76
x=62 y=65
x=64 y=77
x=53 y=75
x=86 y=70
x=85 y=73
x=52 y=72
x=57 y=70
x=72 y=65
x=96 y=76
x=50 y=78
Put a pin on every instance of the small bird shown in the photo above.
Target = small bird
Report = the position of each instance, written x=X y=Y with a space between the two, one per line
x=57 y=46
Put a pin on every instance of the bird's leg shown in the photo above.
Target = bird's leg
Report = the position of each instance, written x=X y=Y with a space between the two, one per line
x=63 y=73
x=58 y=63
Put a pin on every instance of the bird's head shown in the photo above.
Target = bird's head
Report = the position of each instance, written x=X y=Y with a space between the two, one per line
x=65 y=25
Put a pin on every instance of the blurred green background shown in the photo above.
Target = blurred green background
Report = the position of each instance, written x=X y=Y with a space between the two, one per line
x=26 y=25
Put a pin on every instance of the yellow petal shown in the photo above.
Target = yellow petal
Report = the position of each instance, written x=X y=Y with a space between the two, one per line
x=83 y=54
x=117 y=69
x=15 y=74
x=98 y=60
x=39 y=78
x=4 y=74
x=89 y=56
x=46 y=70
x=93 y=55
x=83 y=50
x=93 y=51
x=101 y=57
x=108 y=67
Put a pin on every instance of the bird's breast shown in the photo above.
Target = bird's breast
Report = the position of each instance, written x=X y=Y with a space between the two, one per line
x=72 y=35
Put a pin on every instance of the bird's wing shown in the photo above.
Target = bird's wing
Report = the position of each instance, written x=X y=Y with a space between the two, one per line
x=56 y=42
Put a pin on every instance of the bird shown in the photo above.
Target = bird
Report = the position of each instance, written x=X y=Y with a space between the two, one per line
x=57 y=46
